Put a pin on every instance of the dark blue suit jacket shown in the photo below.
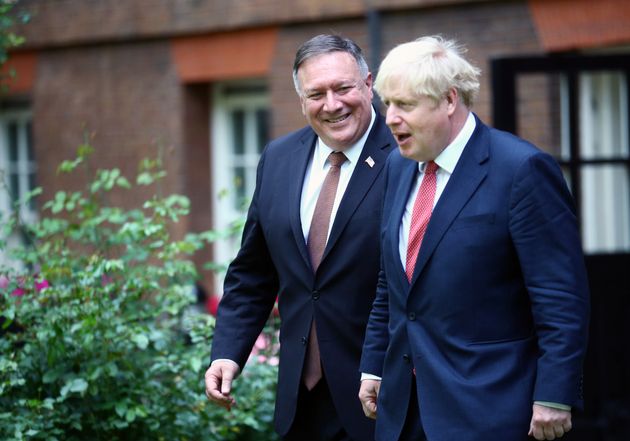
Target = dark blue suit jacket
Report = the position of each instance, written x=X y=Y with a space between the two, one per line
x=496 y=314
x=273 y=260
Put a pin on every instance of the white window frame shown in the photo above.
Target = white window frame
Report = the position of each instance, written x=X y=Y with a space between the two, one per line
x=225 y=206
x=24 y=166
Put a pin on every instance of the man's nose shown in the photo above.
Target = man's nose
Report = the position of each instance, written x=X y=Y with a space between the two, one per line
x=392 y=116
x=332 y=102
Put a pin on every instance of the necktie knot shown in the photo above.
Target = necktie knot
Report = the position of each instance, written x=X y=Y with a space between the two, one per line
x=336 y=159
x=430 y=168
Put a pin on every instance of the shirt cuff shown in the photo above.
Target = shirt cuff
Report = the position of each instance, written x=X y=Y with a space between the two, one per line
x=231 y=361
x=365 y=376
x=553 y=405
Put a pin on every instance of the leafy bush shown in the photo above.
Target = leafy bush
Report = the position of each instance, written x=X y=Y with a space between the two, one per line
x=99 y=340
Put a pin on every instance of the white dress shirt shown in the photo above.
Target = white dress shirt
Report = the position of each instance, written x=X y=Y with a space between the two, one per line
x=446 y=161
x=316 y=173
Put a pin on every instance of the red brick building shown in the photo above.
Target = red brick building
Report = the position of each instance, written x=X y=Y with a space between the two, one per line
x=209 y=81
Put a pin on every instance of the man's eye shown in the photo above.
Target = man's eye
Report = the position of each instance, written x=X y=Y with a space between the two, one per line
x=314 y=96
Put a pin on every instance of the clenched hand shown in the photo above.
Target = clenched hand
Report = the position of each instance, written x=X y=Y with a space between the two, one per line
x=368 y=393
x=549 y=423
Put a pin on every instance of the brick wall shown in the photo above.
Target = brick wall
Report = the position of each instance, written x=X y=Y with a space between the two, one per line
x=126 y=97
x=63 y=22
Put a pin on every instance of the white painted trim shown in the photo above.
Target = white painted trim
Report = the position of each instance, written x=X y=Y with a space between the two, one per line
x=221 y=145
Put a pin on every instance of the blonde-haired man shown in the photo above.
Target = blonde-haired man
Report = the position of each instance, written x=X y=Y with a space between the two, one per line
x=479 y=327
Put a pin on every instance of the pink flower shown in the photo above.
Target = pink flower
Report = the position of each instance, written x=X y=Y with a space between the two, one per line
x=261 y=343
x=41 y=285
x=21 y=290
x=18 y=292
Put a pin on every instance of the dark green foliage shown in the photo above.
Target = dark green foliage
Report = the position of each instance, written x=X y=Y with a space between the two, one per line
x=99 y=340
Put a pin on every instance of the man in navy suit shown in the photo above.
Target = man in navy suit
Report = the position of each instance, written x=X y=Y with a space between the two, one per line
x=324 y=297
x=479 y=326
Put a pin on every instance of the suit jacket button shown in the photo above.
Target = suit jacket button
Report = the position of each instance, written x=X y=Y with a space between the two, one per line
x=315 y=295
x=303 y=339
x=406 y=358
x=411 y=316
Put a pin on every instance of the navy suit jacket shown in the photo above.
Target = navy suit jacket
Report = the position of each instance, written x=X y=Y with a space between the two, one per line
x=274 y=260
x=496 y=314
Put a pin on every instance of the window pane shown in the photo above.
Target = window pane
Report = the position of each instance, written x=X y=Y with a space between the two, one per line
x=14 y=186
x=13 y=142
x=239 y=187
x=238 y=131
x=262 y=122
x=32 y=183
x=29 y=143
x=606 y=208
x=603 y=115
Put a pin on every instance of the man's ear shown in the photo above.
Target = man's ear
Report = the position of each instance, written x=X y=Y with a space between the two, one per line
x=303 y=105
x=452 y=100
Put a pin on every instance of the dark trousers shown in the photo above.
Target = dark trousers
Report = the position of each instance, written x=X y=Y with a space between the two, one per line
x=412 y=430
x=316 y=418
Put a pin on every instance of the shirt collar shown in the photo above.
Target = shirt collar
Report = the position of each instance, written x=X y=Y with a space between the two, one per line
x=447 y=160
x=322 y=151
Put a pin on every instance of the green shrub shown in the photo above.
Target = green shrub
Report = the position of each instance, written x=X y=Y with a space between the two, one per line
x=99 y=340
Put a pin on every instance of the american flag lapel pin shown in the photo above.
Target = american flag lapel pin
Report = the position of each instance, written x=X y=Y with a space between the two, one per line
x=370 y=161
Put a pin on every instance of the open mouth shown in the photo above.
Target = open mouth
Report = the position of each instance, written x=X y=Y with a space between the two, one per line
x=402 y=137
x=338 y=119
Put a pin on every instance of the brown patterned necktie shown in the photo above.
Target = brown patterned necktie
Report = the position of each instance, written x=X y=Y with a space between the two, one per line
x=316 y=243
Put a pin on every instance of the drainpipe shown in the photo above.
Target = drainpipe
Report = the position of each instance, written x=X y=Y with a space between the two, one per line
x=373 y=17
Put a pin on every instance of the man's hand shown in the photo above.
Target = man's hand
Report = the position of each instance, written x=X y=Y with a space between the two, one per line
x=368 y=393
x=549 y=423
x=219 y=377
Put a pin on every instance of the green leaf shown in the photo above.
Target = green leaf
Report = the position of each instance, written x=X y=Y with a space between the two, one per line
x=51 y=376
x=77 y=385
x=123 y=182
x=59 y=202
x=9 y=314
x=130 y=416
x=144 y=178
x=141 y=340
x=68 y=166
x=195 y=363
x=121 y=408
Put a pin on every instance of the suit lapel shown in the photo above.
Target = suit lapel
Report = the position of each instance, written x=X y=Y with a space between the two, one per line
x=299 y=161
x=408 y=176
x=470 y=171
x=362 y=179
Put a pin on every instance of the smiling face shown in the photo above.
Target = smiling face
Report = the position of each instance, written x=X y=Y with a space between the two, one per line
x=335 y=100
x=421 y=126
